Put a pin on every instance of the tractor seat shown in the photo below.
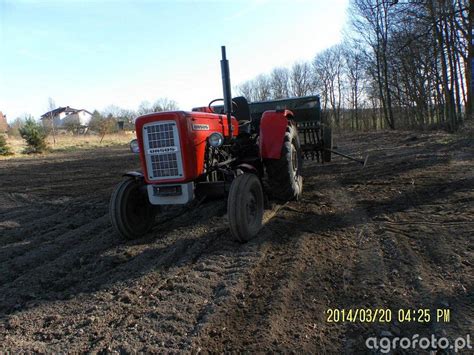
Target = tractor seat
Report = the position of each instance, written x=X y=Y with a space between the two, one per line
x=241 y=112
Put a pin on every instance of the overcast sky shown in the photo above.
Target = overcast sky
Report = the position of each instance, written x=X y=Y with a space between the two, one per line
x=92 y=54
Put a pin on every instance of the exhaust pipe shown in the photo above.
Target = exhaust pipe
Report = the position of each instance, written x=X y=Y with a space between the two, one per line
x=227 y=93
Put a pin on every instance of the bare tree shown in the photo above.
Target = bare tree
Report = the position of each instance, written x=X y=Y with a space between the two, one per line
x=321 y=79
x=164 y=104
x=465 y=25
x=373 y=21
x=408 y=64
x=51 y=107
x=112 y=110
x=354 y=62
x=279 y=82
x=300 y=79
x=247 y=89
x=328 y=69
x=263 y=91
x=128 y=116
x=144 y=108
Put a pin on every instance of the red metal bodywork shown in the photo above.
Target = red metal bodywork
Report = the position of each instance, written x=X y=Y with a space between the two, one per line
x=192 y=141
x=272 y=133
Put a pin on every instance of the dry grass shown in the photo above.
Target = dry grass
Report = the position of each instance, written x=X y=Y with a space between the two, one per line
x=69 y=143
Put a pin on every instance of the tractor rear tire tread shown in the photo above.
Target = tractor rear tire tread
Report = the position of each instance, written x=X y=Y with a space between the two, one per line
x=285 y=184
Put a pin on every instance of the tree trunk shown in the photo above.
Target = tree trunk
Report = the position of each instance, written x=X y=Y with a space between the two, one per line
x=448 y=96
x=470 y=64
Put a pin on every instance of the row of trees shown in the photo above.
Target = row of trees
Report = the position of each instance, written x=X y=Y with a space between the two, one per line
x=128 y=116
x=402 y=65
x=108 y=120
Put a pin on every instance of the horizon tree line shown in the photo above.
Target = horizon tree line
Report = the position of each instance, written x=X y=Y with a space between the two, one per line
x=401 y=65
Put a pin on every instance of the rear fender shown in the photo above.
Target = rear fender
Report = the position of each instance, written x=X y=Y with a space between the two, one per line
x=272 y=132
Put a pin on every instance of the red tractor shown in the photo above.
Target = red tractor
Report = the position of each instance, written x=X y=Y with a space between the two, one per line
x=207 y=152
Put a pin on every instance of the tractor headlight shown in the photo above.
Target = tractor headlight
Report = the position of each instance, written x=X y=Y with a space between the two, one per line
x=134 y=147
x=216 y=140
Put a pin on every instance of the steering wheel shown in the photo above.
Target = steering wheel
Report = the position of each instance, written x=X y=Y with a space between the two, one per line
x=215 y=100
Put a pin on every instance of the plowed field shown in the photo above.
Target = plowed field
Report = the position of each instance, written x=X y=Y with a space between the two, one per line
x=397 y=234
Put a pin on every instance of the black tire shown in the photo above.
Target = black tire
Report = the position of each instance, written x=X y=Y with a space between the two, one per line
x=284 y=174
x=327 y=143
x=131 y=214
x=245 y=207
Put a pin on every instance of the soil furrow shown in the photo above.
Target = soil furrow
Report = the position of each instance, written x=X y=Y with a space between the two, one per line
x=394 y=235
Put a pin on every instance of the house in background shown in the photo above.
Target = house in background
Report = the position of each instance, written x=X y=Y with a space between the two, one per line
x=3 y=123
x=62 y=116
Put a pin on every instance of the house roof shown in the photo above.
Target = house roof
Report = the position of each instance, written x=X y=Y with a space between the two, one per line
x=59 y=110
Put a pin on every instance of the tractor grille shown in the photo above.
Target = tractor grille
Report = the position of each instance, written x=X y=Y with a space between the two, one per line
x=161 y=135
x=164 y=165
x=162 y=150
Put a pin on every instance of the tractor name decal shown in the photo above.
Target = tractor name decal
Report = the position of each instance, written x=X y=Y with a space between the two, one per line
x=200 y=127
x=162 y=150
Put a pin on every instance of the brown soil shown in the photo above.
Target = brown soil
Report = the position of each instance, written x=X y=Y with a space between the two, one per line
x=396 y=234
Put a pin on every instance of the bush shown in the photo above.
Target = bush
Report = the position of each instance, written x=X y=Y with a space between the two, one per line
x=72 y=124
x=35 y=136
x=4 y=148
x=102 y=125
x=13 y=129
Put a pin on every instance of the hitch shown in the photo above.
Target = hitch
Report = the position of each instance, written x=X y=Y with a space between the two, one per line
x=360 y=161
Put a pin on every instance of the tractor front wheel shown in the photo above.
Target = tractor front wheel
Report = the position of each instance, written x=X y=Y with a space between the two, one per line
x=245 y=207
x=131 y=214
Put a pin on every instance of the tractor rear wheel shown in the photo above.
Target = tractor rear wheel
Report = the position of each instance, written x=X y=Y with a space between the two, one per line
x=327 y=144
x=131 y=214
x=284 y=174
x=245 y=207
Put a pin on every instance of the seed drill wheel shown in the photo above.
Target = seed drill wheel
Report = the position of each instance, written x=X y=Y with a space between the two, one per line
x=327 y=144
x=131 y=214
x=284 y=174
x=245 y=207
